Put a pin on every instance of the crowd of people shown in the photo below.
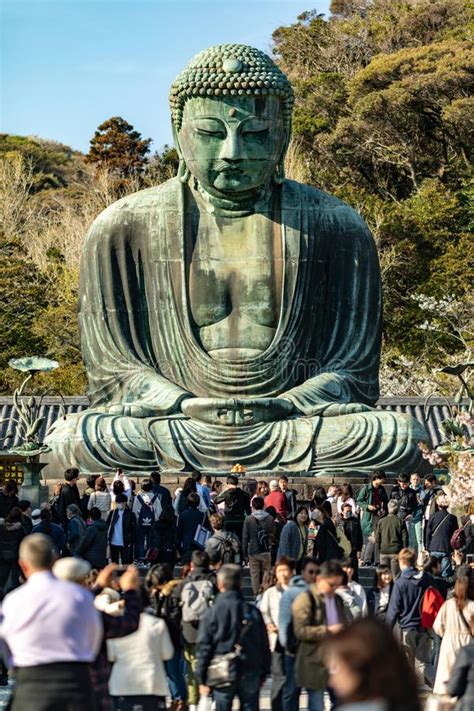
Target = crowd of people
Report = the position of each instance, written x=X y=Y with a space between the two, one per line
x=123 y=596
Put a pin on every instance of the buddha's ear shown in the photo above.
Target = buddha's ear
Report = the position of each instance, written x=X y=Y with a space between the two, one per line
x=279 y=171
x=183 y=170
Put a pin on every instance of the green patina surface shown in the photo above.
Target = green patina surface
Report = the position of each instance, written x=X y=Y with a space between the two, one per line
x=230 y=315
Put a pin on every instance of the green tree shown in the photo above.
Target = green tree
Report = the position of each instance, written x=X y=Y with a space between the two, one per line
x=120 y=149
x=383 y=119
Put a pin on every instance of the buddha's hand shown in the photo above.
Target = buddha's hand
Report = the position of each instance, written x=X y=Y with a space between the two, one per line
x=236 y=412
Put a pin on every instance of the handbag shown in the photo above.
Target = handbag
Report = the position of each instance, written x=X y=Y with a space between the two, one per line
x=224 y=669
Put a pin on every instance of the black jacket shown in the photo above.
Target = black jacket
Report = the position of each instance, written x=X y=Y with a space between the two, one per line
x=406 y=499
x=164 y=535
x=188 y=521
x=441 y=526
x=69 y=495
x=469 y=531
x=237 y=505
x=7 y=503
x=249 y=535
x=461 y=682
x=166 y=604
x=93 y=546
x=220 y=630
x=353 y=531
x=11 y=535
x=128 y=526
x=163 y=495
x=326 y=546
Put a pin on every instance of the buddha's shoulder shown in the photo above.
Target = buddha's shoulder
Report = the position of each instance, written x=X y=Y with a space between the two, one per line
x=311 y=198
x=141 y=203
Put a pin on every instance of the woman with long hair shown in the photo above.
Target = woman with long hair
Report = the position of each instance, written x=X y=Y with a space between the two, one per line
x=379 y=596
x=322 y=537
x=164 y=537
x=165 y=601
x=368 y=670
x=100 y=498
x=452 y=625
x=181 y=500
x=346 y=497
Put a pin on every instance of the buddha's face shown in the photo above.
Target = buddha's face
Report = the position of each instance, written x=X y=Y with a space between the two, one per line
x=232 y=145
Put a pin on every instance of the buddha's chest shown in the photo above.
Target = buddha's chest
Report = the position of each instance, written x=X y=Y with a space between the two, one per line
x=235 y=276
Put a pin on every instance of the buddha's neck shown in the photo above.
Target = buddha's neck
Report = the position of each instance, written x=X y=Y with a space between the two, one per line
x=258 y=201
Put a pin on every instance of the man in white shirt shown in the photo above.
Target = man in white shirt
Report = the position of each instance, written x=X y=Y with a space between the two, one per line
x=53 y=632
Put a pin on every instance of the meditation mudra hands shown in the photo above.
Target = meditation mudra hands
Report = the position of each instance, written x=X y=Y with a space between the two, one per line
x=239 y=412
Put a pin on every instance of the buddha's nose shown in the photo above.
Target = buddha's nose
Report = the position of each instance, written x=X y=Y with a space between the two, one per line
x=232 y=148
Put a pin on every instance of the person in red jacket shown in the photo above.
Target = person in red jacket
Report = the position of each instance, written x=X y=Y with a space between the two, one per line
x=277 y=499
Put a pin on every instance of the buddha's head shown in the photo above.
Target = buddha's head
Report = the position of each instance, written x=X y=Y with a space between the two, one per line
x=231 y=111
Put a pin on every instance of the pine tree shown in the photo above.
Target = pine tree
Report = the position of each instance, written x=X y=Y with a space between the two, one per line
x=117 y=147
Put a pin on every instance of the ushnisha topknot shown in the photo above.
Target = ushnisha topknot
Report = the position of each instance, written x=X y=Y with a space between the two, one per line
x=230 y=70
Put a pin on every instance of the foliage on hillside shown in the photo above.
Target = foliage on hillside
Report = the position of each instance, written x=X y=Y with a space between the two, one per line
x=383 y=119
x=50 y=196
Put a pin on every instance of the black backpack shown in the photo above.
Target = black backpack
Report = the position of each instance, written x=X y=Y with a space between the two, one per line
x=230 y=551
x=263 y=540
x=146 y=516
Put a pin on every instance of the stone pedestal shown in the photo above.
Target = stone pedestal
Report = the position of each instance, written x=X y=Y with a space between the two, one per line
x=32 y=488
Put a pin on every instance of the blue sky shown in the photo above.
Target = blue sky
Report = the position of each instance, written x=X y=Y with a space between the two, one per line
x=67 y=65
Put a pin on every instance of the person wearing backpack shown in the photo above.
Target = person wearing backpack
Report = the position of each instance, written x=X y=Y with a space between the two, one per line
x=229 y=624
x=256 y=541
x=236 y=505
x=405 y=607
x=316 y=612
x=163 y=493
x=197 y=594
x=93 y=544
x=188 y=523
x=223 y=545
x=286 y=636
x=147 y=509
x=439 y=531
x=452 y=624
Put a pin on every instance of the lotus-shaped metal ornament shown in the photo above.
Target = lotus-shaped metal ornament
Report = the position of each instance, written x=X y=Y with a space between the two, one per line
x=33 y=364
x=28 y=407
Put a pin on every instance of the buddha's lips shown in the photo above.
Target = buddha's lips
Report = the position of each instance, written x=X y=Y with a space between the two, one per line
x=221 y=167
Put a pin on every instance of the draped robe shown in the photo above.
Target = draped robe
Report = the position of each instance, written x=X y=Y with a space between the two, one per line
x=142 y=356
